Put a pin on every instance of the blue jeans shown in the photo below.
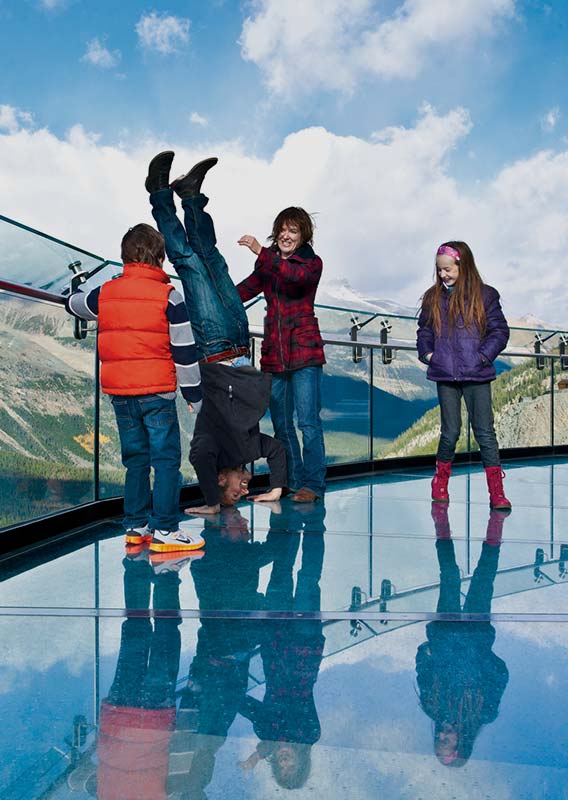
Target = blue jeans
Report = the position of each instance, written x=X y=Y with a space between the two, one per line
x=477 y=398
x=149 y=437
x=300 y=389
x=216 y=312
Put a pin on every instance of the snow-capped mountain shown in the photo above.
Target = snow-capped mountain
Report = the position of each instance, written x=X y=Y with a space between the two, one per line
x=339 y=292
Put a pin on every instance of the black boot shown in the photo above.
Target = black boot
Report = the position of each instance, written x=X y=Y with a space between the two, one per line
x=159 y=171
x=189 y=185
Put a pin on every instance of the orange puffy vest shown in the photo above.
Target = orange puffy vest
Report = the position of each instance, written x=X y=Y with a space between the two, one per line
x=133 y=752
x=134 y=335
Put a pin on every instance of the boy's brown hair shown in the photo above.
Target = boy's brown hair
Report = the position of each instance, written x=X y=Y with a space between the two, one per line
x=296 y=216
x=143 y=244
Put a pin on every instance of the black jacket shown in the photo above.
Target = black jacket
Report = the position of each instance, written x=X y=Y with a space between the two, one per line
x=227 y=432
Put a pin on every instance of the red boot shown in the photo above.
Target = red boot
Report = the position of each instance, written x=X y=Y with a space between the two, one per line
x=494 y=532
x=497 y=497
x=441 y=523
x=440 y=482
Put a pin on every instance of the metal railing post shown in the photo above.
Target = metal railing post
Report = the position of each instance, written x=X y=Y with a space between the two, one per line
x=97 y=423
x=371 y=405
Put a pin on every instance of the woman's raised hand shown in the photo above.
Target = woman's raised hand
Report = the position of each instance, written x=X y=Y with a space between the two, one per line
x=252 y=244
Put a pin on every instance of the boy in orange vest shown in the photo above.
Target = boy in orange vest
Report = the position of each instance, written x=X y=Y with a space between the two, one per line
x=146 y=348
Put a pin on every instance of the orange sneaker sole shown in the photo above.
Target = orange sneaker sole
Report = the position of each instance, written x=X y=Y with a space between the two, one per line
x=160 y=558
x=160 y=547
x=138 y=539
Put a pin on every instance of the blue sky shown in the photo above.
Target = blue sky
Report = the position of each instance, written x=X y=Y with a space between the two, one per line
x=479 y=83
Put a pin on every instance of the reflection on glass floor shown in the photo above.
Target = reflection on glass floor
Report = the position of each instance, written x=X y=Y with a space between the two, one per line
x=372 y=646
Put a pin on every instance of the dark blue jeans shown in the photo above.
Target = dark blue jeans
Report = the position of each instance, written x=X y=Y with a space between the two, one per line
x=300 y=389
x=216 y=312
x=477 y=398
x=149 y=437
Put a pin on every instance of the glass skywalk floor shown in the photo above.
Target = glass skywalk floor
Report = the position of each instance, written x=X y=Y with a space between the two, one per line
x=369 y=647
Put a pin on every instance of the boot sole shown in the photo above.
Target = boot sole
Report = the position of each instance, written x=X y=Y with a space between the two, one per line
x=437 y=500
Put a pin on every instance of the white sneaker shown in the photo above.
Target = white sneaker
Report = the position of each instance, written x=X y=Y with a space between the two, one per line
x=138 y=535
x=173 y=562
x=170 y=541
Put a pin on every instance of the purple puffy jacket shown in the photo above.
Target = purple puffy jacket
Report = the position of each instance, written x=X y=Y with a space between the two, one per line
x=461 y=354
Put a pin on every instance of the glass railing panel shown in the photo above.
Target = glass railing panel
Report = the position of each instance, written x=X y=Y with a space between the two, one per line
x=405 y=406
x=560 y=388
x=46 y=412
x=111 y=482
x=521 y=397
x=345 y=405
x=34 y=259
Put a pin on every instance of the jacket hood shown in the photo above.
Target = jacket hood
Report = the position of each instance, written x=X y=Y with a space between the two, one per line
x=235 y=397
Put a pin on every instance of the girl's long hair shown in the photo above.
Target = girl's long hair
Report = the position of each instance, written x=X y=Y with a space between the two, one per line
x=466 y=300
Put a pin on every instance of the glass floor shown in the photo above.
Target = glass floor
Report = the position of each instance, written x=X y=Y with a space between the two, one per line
x=370 y=646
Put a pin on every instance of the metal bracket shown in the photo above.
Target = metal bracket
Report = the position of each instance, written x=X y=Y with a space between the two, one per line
x=387 y=352
x=538 y=342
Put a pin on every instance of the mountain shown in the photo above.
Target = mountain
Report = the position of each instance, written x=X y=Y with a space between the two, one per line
x=47 y=401
x=339 y=292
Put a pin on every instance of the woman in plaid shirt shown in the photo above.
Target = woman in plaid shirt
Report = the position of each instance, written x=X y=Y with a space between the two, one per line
x=288 y=273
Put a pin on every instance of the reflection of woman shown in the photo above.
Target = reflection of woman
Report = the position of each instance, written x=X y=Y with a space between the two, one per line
x=460 y=679
x=286 y=720
x=288 y=272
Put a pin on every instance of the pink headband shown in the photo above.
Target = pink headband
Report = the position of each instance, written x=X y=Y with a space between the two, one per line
x=446 y=250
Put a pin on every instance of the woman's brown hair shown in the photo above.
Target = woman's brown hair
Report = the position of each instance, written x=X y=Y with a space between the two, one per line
x=294 y=215
x=466 y=300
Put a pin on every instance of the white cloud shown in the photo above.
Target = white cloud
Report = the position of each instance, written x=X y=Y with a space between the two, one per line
x=162 y=33
x=12 y=119
x=198 y=119
x=52 y=5
x=549 y=120
x=382 y=204
x=299 y=48
x=100 y=56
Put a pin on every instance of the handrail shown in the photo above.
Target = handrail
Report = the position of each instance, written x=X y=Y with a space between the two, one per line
x=30 y=291
x=257 y=332
x=397 y=344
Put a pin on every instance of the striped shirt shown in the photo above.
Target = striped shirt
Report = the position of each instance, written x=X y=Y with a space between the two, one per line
x=182 y=345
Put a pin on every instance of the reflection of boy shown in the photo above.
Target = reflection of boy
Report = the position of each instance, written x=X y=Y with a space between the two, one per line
x=236 y=396
x=146 y=347
x=137 y=717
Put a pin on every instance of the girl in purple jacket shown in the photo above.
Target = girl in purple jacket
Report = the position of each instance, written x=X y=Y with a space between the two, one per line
x=461 y=331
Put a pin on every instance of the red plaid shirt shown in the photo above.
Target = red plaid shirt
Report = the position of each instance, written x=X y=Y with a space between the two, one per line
x=292 y=339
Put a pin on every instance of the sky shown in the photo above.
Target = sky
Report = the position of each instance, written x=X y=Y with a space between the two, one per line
x=398 y=124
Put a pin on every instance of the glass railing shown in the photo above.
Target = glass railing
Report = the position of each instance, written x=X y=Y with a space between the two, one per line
x=59 y=445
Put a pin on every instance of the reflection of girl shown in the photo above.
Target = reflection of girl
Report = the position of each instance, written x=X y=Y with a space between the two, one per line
x=288 y=273
x=460 y=679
